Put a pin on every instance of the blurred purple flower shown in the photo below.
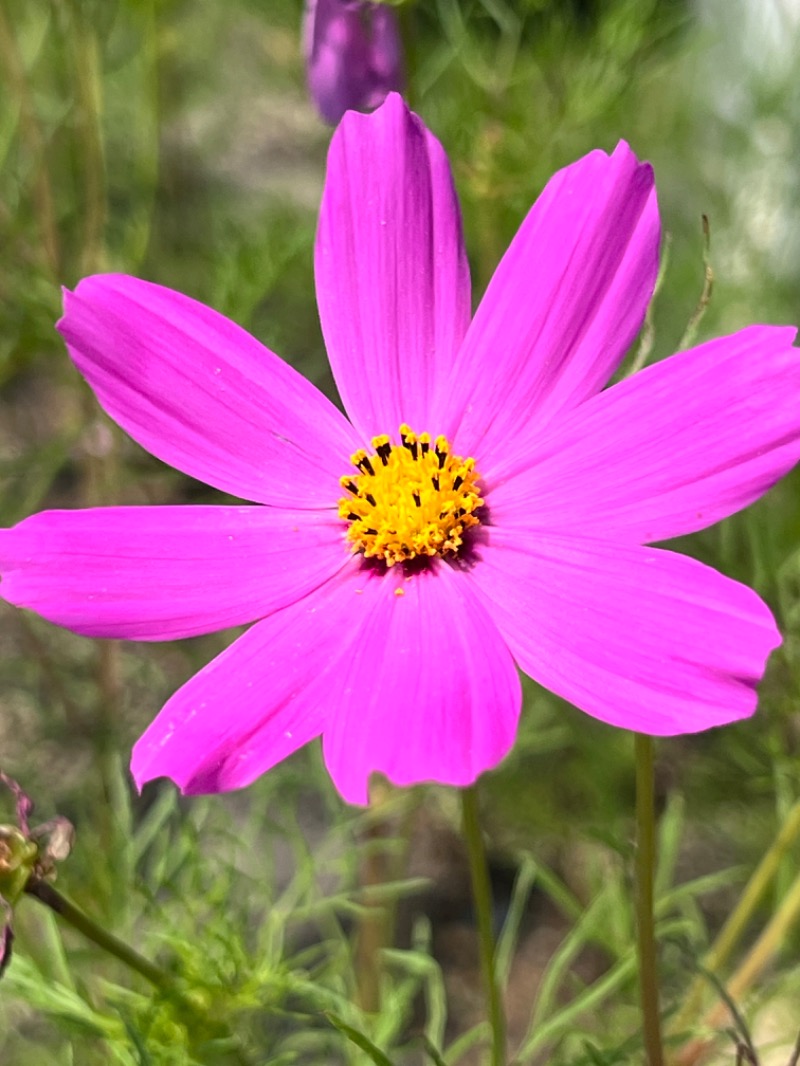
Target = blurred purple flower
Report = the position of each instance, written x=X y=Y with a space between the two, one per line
x=353 y=55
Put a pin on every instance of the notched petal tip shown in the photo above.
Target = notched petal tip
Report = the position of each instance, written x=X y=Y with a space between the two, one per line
x=393 y=108
x=641 y=638
x=391 y=271
x=670 y=450
x=264 y=697
x=563 y=307
x=203 y=395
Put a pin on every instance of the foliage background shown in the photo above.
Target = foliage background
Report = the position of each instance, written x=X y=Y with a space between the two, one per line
x=174 y=140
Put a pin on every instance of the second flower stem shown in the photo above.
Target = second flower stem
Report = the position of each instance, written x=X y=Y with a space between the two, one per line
x=645 y=919
x=482 y=897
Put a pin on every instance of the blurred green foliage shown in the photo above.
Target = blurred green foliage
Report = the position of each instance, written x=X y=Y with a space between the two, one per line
x=174 y=140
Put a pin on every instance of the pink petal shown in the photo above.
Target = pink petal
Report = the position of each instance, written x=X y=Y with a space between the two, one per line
x=563 y=306
x=429 y=693
x=272 y=691
x=159 y=573
x=392 y=276
x=668 y=451
x=261 y=699
x=203 y=395
x=637 y=637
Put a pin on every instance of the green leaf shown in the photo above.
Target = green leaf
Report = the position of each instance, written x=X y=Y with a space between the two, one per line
x=359 y=1039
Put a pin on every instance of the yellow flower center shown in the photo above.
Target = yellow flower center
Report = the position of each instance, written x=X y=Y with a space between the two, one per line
x=409 y=499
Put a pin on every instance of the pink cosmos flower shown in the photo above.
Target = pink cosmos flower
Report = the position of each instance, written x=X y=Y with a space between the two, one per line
x=354 y=55
x=395 y=576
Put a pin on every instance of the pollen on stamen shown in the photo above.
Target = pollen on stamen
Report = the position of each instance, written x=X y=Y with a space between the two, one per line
x=409 y=500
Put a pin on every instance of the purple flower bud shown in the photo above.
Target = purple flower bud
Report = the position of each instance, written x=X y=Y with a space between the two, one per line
x=27 y=856
x=353 y=55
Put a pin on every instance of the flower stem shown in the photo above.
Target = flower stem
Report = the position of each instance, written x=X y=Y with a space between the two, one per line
x=482 y=897
x=645 y=923
x=53 y=899
x=376 y=924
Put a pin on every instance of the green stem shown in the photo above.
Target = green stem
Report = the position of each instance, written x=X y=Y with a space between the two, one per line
x=645 y=923
x=482 y=896
x=53 y=899
x=705 y=296
x=376 y=924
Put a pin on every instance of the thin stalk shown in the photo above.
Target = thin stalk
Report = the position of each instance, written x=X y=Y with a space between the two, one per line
x=376 y=924
x=53 y=899
x=705 y=296
x=645 y=921
x=482 y=898
x=647 y=335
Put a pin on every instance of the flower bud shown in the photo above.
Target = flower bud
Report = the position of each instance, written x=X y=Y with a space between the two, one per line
x=353 y=55
x=18 y=857
x=26 y=856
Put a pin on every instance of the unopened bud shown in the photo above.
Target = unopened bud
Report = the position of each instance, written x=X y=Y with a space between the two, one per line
x=353 y=55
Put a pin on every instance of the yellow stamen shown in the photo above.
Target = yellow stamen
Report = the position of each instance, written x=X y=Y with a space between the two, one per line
x=409 y=499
